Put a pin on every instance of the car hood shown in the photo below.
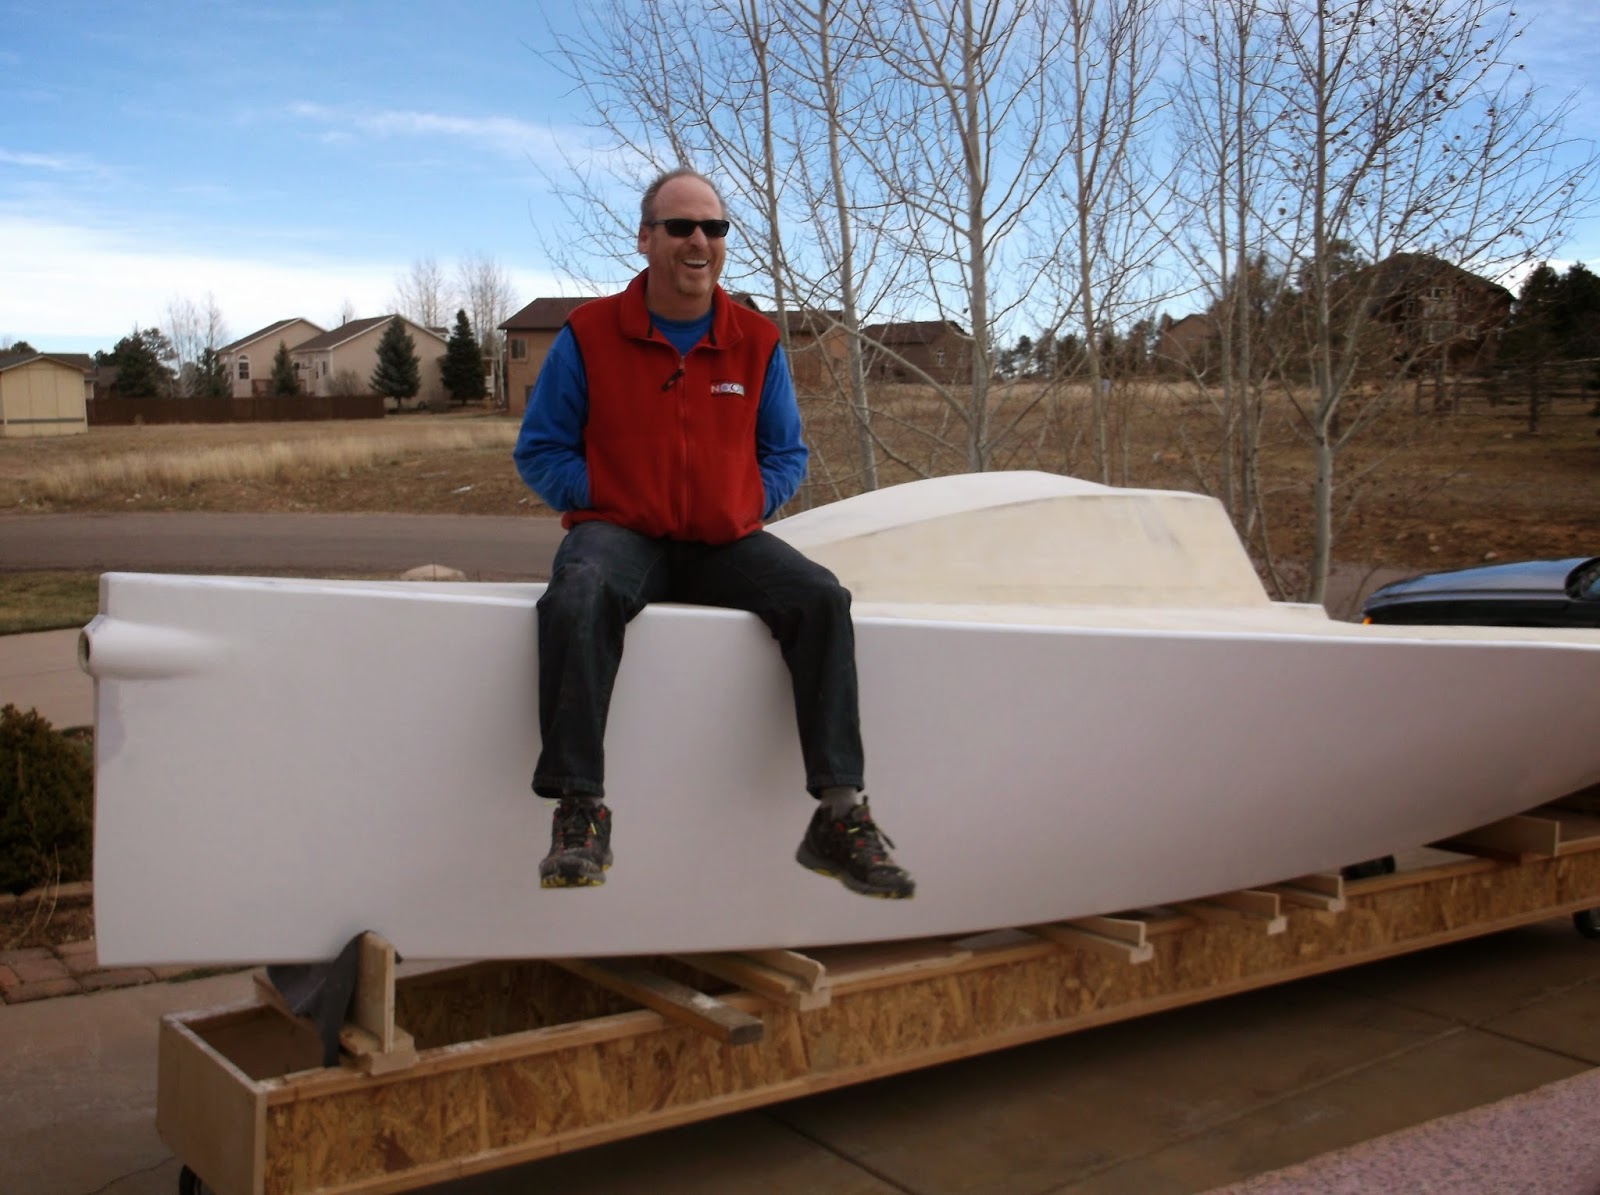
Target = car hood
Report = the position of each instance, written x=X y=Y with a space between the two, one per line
x=1532 y=576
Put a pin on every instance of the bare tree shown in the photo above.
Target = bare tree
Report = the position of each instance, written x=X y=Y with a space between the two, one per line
x=192 y=328
x=488 y=296
x=424 y=293
x=489 y=299
x=1405 y=128
x=975 y=182
x=347 y=312
x=758 y=105
x=1115 y=226
x=1224 y=98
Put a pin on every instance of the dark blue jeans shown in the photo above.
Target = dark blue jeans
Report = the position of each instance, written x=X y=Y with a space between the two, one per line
x=603 y=575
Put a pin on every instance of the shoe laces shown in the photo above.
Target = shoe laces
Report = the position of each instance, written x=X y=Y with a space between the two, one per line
x=864 y=835
x=575 y=824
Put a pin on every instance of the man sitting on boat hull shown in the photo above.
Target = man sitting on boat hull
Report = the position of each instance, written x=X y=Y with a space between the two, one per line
x=663 y=425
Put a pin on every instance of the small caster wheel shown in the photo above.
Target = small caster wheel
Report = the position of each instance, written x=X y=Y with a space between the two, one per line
x=189 y=1183
x=1587 y=922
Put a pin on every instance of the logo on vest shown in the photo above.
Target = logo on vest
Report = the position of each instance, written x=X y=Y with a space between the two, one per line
x=727 y=388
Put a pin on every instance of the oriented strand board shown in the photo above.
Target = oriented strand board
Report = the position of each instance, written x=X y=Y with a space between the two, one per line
x=472 y=1105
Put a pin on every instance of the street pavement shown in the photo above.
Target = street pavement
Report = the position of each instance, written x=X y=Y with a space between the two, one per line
x=1469 y=1068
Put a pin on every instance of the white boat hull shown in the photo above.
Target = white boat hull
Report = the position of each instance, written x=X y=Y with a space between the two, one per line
x=328 y=757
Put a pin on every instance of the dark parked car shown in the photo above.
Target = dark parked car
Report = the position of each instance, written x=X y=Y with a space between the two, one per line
x=1534 y=593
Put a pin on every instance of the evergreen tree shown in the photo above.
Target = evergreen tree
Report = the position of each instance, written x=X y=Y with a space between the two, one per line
x=1531 y=338
x=284 y=383
x=461 y=367
x=210 y=376
x=140 y=370
x=398 y=374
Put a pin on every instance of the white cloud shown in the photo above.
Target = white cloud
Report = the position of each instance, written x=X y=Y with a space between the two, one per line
x=61 y=163
x=503 y=135
x=75 y=289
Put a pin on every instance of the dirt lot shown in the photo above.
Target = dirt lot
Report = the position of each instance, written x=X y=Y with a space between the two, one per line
x=1417 y=490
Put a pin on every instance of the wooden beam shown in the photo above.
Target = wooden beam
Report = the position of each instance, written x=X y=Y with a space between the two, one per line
x=880 y=964
x=673 y=1000
x=807 y=970
x=1249 y=904
x=764 y=981
x=1115 y=937
x=1324 y=891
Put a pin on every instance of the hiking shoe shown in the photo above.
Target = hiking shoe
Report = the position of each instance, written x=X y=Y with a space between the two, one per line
x=580 y=846
x=850 y=848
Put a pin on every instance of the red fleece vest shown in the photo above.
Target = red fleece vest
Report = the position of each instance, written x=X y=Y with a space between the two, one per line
x=670 y=443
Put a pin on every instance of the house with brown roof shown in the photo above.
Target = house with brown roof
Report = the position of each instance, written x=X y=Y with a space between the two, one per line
x=345 y=358
x=43 y=394
x=1188 y=344
x=818 y=347
x=910 y=351
x=248 y=360
x=531 y=331
x=1436 y=311
x=529 y=334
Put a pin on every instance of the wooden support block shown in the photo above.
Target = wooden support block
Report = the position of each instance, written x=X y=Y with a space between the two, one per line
x=1115 y=937
x=882 y=963
x=812 y=974
x=1518 y=839
x=375 y=1044
x=369 y=1054
x=1323 y=891
x=675 y=1001
x=764 y=981
x=372 y=1006
x=1250 y=904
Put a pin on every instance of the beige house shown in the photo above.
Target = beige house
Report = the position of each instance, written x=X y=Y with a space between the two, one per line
x=42 y=395
x=249 y=359
x=529 y=334
x=345 y=358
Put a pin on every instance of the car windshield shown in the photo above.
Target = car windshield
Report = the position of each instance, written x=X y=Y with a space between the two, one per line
x=1587 y=583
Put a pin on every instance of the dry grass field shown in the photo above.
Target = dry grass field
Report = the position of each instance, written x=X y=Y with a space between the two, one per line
x=1418 y=490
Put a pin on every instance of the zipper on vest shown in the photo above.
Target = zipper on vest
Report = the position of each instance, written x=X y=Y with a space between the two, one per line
x=675 y=381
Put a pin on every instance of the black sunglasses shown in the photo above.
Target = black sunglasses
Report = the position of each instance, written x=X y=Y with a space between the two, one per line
x=715 y=230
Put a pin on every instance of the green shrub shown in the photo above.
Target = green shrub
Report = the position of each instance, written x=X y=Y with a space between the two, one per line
x=46 y=798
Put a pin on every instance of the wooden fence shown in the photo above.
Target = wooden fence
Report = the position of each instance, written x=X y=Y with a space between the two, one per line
x=109 y=411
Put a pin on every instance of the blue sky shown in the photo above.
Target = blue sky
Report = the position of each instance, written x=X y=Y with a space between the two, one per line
x=289 y=157
x=284 y=157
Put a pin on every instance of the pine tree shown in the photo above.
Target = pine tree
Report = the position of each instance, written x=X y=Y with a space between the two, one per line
x=285 y=383
x=461 y=367
x=398 y=374
x=140 y=373
x=210 y=378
